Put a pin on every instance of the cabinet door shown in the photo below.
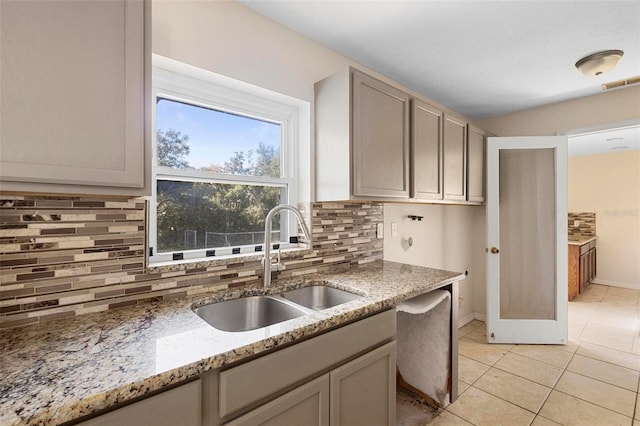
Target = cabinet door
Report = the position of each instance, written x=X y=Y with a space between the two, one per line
x=455 y=148
x=305 y=405
x=574 y=271
x=584 y=271
x=426 y=151
x=178 y=406
x=380 y=138
x=72 y=92
x=363 y=391
x=476 y=140
x=592 y=253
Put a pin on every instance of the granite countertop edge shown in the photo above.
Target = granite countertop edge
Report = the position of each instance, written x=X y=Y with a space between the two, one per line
x=56 y=398
x=579 y=241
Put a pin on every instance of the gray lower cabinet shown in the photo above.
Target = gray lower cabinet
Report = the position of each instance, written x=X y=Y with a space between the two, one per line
x=360 y=392
x=305 y=405
x=357 y=362
x=178 y=406
x=363 y=390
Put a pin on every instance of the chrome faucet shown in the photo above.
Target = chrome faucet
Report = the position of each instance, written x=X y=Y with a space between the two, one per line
x=266 y=261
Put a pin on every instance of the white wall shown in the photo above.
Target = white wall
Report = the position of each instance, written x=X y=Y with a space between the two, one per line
x=442 y=240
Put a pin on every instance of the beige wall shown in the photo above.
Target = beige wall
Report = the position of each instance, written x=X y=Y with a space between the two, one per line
x=605 y=108
x=230 y=39
x=609 y=185
x=441 y=240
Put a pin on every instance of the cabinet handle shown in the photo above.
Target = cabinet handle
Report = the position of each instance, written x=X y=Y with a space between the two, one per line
x=495 y=250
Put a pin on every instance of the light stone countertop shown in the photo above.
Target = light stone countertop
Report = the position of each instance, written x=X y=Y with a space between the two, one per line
x=62 y=370
x=580 y=240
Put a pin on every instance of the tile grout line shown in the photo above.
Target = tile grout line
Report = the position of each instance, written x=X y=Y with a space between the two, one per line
x=593 y=403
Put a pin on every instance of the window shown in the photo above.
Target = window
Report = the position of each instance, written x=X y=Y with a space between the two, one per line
x=224 y=155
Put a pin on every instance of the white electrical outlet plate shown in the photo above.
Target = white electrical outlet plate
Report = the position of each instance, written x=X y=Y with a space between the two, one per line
x=380 y=231
x=394 y=229
x=576 y=223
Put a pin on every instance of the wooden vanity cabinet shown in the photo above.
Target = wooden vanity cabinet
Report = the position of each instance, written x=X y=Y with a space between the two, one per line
x=75 y=78
x=587 y=264
x=582 y=267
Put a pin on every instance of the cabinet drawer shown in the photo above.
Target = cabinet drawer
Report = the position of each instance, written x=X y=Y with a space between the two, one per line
x=256 y=380
x=306 y=405
x=584 y=248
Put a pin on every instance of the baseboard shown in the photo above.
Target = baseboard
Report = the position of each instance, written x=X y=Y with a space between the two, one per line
x=616 y=284
x=465 y=320
x=472 y=316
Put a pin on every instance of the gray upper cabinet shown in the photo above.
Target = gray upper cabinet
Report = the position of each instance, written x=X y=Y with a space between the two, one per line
x=426 y=151
x=380 y=139
x=373 y=141
x=476 y=141
x=362 y=138
x=73 y=96
x=455 y=157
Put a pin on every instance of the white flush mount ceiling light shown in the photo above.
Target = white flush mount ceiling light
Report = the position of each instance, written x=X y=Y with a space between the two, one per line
x=599 y=62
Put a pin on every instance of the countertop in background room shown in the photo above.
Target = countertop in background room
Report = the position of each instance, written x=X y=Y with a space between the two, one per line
x=579 y=240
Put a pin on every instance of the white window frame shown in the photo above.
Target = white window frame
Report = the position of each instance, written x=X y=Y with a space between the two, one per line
x=177 y=81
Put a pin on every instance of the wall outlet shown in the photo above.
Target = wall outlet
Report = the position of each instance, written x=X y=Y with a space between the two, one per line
x=576 y=223
x=394 y=229
x=380 y=231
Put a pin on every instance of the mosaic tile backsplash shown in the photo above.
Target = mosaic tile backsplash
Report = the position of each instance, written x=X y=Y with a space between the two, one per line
x=586 y=226
x=66 y=256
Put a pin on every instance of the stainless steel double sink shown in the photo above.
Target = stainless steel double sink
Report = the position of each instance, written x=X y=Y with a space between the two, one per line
x=253 y=312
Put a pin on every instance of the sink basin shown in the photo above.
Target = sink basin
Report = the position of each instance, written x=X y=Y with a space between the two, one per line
x=247 y=313
x=319 y=297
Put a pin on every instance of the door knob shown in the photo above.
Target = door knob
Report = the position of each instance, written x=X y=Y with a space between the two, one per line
x=495 y=250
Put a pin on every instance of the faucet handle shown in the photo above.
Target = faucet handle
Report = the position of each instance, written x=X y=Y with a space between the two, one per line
x=276 y=264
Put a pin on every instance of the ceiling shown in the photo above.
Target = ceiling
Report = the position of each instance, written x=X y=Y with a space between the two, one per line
x=481 y=58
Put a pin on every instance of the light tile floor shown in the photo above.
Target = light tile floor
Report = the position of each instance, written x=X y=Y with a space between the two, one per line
x=594 y=380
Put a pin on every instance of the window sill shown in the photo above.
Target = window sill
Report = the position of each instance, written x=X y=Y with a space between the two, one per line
x=206 y=262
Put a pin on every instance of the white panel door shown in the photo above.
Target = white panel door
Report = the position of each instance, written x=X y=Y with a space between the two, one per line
x=527 y=240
